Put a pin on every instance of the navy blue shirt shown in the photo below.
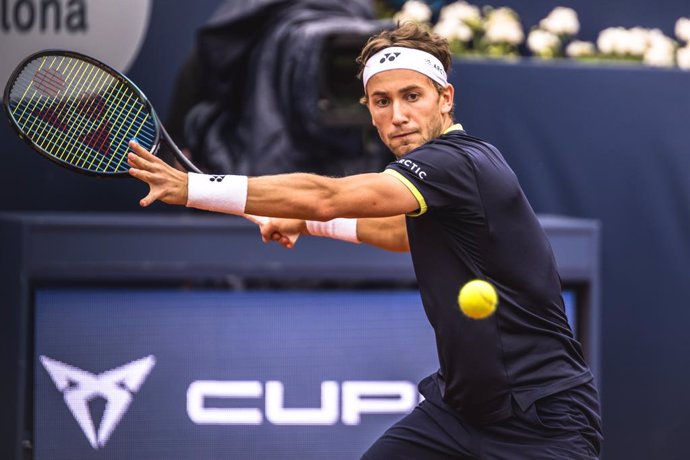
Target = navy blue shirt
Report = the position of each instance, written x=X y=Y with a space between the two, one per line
x=474 y=221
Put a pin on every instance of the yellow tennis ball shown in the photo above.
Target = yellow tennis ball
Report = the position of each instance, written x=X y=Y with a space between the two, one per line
x=478 y=299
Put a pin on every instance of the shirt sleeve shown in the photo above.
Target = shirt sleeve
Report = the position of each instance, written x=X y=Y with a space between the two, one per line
x=437 y=178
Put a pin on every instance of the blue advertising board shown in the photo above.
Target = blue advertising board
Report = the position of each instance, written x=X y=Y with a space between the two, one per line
x=217 y=374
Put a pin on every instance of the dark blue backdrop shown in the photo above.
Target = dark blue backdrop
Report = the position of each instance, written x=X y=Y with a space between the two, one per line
x=604 y=143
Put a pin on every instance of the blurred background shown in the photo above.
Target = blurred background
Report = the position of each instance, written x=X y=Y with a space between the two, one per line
x=595 y=131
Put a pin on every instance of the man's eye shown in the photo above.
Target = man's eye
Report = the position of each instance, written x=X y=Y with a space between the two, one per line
x=412 y=97
x=381 y=102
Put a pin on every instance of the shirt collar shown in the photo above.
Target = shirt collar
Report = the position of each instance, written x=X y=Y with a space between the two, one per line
x=455 y=127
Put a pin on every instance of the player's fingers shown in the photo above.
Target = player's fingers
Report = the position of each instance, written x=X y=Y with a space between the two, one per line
x=155 y=193
x=266 y=233
x=292 y=237
x=143 y=158
x=152 y=196
x=142 y=175
x=135 y=172
x=138 y=162
x=141 y=151
x=149 y=198
x=142 y=163
x=261 y=221
x=267 y=228
x=258 y=220
x=286 y=242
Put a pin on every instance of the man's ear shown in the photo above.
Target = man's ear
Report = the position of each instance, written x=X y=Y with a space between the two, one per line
x=447 y=98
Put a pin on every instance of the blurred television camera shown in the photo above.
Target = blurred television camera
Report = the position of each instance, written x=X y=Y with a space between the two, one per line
x=271 y=87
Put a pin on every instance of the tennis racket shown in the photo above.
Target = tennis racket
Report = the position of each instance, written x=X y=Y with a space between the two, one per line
x=81 y=113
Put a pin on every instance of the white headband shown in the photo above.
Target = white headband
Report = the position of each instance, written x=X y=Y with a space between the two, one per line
x=397 y=57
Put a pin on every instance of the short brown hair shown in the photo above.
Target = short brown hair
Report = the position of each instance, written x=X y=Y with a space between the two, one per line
x=407 y=35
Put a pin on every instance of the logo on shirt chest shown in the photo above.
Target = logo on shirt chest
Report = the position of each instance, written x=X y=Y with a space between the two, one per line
x=414 y=167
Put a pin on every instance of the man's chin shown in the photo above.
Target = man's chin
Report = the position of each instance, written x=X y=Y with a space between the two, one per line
x=403 y=150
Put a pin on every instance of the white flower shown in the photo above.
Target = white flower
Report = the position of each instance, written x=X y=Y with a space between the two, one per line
x=660 y=57
x=413 y=10
x=505 y=32
x=578 y=49
x=657 y=39
x=561 y=21
x=503 y=26
x=543 y=43
x=683 y=57
x=635 y=42
x=683 y=29
x=661 y=51
x=611 y=41
x=454 y=30
x=461 y=11
x=500 y=14
x=457 y=21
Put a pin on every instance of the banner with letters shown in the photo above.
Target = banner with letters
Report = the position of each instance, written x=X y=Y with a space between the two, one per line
x=172 y=374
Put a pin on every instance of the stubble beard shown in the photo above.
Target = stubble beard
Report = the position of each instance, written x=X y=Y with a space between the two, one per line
x=435 y=130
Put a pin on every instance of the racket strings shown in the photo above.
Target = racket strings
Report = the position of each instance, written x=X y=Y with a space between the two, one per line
x=49 y=82
x=58 y=124
x=77 y=108
x=39 y=115
x=79 y=113
x=72 y=119
x=28 y=87
x=57 y=121
x=50 y=114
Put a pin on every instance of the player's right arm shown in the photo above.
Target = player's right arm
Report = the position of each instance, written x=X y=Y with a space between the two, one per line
x=389 y=233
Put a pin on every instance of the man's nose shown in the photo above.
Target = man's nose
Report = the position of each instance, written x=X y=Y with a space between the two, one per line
x=399 y=113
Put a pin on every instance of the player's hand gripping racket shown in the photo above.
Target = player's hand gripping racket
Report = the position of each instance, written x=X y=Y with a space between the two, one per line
x=82 y=113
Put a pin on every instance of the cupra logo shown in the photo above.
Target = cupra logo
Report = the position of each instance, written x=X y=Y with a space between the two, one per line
x=116 y=386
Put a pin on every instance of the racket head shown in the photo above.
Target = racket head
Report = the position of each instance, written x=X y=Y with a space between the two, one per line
x=79 y=112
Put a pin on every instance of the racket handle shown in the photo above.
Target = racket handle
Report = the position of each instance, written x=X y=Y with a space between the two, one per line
x=181 y=157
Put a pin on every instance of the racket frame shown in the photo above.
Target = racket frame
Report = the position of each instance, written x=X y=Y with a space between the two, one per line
x=160 y=131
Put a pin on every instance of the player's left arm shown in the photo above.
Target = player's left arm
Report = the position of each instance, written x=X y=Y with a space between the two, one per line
x=320 y=198
x=299 y=195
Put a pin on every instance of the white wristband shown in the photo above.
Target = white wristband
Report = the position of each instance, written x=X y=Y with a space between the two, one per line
x=227 y=194
x=339 y=229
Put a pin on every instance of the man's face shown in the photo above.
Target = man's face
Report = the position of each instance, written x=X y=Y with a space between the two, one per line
x=407 y=109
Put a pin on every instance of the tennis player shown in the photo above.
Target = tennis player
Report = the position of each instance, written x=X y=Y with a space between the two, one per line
x=512 y=386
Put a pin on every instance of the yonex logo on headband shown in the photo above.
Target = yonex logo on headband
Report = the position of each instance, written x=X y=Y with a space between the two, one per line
x=389 y=57
x=393 y=58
